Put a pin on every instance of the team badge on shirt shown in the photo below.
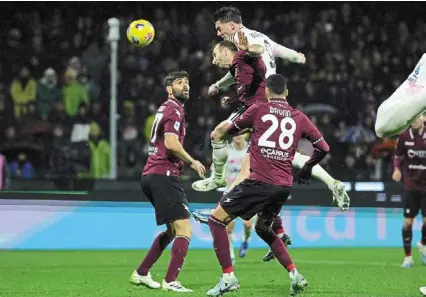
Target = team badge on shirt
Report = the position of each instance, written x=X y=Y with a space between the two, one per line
x=177 y=126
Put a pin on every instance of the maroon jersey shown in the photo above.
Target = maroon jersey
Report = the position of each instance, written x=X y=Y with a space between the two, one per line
x=168 y=119
x=277 y=131
x=249 y=73
x=410 y=157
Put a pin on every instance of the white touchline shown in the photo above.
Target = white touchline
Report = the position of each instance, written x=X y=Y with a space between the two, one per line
x=338 y=262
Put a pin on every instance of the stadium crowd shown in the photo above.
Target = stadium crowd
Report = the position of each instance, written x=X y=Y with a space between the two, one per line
x=54 y=81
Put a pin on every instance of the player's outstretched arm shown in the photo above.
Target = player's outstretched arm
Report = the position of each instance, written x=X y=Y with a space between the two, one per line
x=283 y=52
x=397 y=158
x=172 y=143
x=224 y=82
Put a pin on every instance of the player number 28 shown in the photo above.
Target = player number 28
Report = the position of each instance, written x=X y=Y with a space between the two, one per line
x=285 y=139
x=157 y=119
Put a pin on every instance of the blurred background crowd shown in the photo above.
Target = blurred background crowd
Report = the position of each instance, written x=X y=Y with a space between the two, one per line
x=55 y=81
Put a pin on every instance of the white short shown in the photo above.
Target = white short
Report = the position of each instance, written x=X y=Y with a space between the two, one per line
x=397 y=112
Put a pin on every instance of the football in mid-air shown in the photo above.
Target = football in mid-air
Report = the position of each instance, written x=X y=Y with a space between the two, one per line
x=140 y=33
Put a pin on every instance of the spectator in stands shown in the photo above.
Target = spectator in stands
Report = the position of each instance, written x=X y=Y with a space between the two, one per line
x=58 y=116
x=48 y=93
x=22 y=167
x=149 y=122
x=4 y=173
x=100 y=153
x=97 y=115
x=91 y=87
x=81 y=124
x=23 y=90
x=74 y=92
x=6 y=114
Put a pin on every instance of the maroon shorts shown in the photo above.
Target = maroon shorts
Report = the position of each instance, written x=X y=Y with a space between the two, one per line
x=253 y=197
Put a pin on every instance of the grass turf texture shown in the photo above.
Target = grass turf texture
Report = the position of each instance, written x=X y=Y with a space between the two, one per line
x=330 y=272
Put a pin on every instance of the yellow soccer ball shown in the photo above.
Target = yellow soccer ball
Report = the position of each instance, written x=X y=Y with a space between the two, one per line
x=140 y=33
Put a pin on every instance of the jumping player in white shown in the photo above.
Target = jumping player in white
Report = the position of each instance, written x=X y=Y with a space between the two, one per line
x=400 y=110
x=228 y=23
x=236 y=152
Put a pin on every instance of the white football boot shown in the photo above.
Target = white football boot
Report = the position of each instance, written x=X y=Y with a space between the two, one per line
x=408 y=262
x=340 y=196
x=145 y=280
x=175 y=287
x=422 y=251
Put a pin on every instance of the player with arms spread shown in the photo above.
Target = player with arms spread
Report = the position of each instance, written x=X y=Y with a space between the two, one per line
x=277 y=130
x=161 y=185
x=411 y=151
x=229 y=26
x=397 y=112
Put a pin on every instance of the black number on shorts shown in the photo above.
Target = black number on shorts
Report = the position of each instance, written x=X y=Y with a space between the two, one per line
x=268 y=49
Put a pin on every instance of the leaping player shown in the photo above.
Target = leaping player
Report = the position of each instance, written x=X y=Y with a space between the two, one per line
x=228 y=23
x=400 y=110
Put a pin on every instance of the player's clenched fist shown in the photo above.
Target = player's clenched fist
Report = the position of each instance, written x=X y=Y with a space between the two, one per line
x=199 y=168
x=397 y=175
x=213 y=90
x=302 y=59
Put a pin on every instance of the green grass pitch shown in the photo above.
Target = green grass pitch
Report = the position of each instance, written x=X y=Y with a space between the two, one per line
x=330 y=272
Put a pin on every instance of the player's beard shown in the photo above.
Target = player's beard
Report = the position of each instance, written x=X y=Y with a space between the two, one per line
x=180 y=96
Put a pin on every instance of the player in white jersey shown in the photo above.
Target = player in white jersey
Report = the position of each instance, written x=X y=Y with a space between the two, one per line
x=399 y=111
x=236 y=152
x=228 y=23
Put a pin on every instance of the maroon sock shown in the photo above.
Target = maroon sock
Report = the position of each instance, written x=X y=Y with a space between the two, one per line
x=179 y=251
x=424 y=234
x=221 y=244
x=277 y=226
x=281 y=253
x=157 y=248
x=407 y=237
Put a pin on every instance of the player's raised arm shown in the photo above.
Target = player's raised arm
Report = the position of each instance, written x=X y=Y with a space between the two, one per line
x=283 y=52
x=397 y=158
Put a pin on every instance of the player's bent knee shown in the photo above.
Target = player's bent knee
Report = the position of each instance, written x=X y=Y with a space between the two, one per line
x=265 y=233
x=183 y=228
x=221 y=215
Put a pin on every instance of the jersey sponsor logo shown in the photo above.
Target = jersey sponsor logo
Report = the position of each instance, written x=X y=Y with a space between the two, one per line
x=274 y=154
x=409 y=143
x=417 y=167
x=177 y=126
x=416 y=153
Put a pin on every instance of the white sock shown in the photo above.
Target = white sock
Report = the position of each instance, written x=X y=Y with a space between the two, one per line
x=231 y=245
x=317 y=171
x=227 y=276
x=220 y=155
x=293 y=272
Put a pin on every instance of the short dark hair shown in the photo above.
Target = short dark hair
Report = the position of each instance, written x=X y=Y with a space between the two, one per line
x=228 y=14
x=227 y=44
x=277 y=84
x=172 y=76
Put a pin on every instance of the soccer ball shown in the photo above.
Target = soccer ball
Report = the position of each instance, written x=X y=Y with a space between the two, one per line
x=140 y=33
